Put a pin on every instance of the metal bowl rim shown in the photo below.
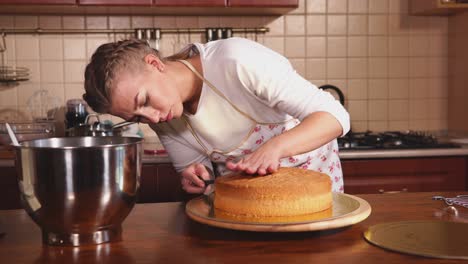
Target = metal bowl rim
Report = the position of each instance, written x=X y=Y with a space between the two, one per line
x=133 y=140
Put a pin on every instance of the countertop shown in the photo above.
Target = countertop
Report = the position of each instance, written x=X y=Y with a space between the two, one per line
x=162 y=233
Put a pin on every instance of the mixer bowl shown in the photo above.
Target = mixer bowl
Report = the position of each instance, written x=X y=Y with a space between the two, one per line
x=79 y=190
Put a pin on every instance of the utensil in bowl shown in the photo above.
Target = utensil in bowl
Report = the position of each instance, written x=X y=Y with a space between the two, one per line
x=98 y=128
x=12 y=135
x=79 y=190
x=26 y=130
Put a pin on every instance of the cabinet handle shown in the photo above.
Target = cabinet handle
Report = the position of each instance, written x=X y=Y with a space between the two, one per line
x=382 y=191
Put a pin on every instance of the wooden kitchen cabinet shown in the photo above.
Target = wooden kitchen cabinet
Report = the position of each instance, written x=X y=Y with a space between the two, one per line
x=161 y=183
x=116 y=2
x=263 y=3
x=206 y=3
x=405 y=174
x=148 y=7
x=436 y=7
x=38 y=2
x=9 y=192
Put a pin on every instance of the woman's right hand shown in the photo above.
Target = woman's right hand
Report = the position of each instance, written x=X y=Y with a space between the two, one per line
x=192 y=178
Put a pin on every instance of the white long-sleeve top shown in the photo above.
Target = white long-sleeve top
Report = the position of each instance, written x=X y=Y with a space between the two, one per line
x=257 y=80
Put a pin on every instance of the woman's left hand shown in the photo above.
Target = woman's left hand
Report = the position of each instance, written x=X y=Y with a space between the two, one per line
x=262 y=161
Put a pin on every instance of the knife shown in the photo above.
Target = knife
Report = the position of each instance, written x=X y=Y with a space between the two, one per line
x=208 y=182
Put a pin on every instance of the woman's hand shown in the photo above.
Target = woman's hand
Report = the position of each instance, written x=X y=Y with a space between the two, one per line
x=262 y=161
x=314 y=131
x=192 y=178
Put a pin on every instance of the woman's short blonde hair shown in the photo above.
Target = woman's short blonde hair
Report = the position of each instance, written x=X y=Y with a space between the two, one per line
x=107 y=62
x=112 y=58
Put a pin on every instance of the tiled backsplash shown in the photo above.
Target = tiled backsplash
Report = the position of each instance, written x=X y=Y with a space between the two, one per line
x=392 y=67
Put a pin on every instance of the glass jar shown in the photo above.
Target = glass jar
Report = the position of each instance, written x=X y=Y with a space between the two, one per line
x=76 y=113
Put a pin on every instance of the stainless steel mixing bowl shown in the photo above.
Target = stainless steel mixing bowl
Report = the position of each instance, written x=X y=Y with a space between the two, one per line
x=79 y=190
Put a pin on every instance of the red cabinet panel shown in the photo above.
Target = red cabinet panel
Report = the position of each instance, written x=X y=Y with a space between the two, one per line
x=9 y=191
x=264 y=3
x=38 y=2
x=211 y=3
x=116 y=2
x=411 y=175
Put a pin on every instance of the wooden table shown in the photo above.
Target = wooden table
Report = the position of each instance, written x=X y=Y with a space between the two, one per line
x=162 y=233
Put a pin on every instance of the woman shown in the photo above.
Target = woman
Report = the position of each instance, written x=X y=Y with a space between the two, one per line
x=231 y=104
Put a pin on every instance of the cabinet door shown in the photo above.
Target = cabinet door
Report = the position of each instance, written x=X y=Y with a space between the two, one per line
x=38 y=2
x=147 y=191
x=9 y=191
x=263 y=3
x=169 y=188
x=412 y=175
x=115 y=2
x=194 y=3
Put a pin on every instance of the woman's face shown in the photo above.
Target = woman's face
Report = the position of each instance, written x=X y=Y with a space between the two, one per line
x=148 y=96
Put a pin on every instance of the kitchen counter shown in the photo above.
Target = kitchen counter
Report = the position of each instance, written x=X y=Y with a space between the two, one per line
x=162 y=233
x=8 y=160
x=363 y=154
x=402 y=153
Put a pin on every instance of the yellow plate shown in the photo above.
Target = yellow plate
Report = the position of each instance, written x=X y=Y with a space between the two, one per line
x=437 y=239
x=346 y=210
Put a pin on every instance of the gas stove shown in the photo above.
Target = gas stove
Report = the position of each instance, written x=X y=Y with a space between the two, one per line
x=391 y=140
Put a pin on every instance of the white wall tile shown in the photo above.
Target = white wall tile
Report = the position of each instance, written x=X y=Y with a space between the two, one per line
x=294 y=47
x=336 y=25
x=357 y=46
x=73 y=22
x=316 y=25
x=398 y=88
x=34 y=69
x=378 y=110
x=378 y=46
x=52 y=71
x=142 y=21
x=316 y=69
x=74 y=71
x=50 y=22
x=398 y=110
x=73 y=91
x=92 y=43
x=336 y=68
x=378 y=89
x=27 y=47
x=357 y=89
x=378 y=67
x=357 y=68
x=358 y=6
x=25 y=21
x=51 y=47
x=316 y=47
x=7 y=21
x=357 y=24
x=295 y=25
x=97 y=22
x=378 y=24
x=275 y=43
x=379 y=6
x=74 y=48
x=316 y=6
x=358 y=110
x=8 y=97
x=336 y=47
x=337 y=6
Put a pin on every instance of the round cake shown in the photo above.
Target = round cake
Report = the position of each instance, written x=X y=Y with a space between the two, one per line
x=287 y=192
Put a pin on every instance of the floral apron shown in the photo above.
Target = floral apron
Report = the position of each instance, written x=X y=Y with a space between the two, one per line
x=324 y=159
